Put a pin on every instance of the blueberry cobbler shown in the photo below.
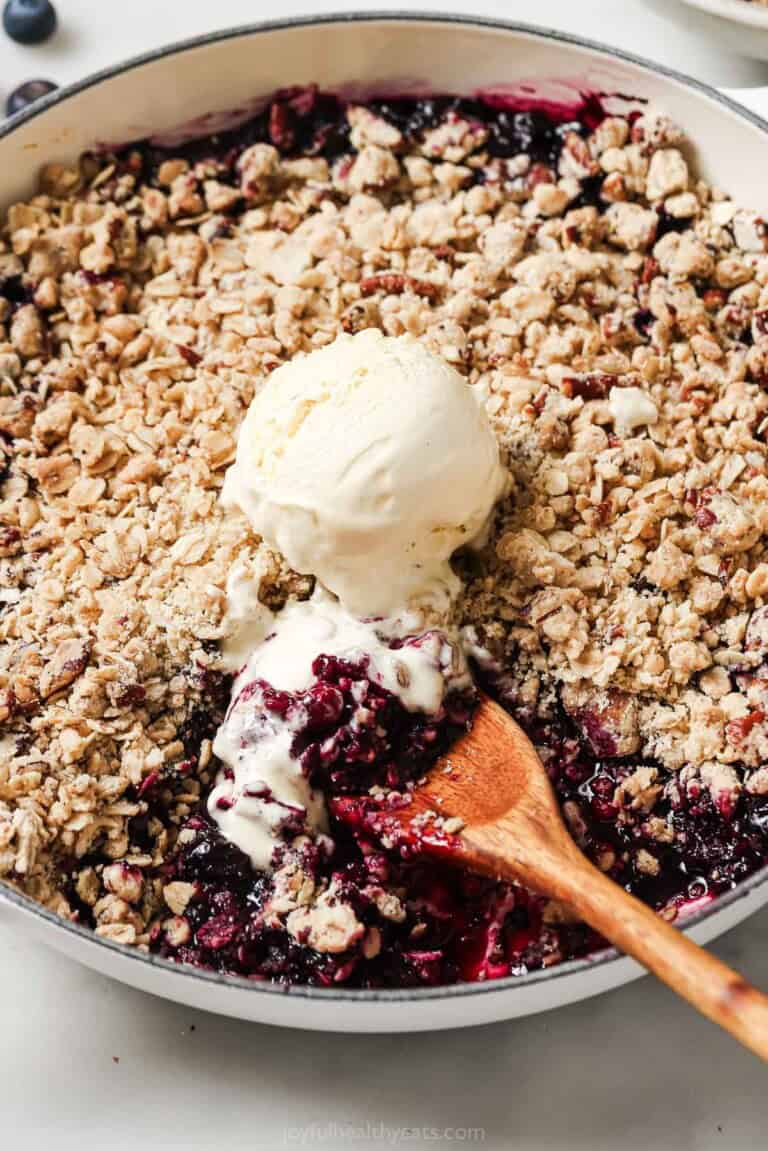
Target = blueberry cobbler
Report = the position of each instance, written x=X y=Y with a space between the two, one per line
x=307 y=429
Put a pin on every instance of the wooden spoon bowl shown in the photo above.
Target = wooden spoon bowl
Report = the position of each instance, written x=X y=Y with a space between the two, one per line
x=488 y=805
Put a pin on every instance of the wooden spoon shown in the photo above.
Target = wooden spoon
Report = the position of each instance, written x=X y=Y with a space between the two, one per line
x=493 y=781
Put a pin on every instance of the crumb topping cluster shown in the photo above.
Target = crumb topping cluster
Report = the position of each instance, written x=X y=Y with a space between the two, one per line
x=614 y=306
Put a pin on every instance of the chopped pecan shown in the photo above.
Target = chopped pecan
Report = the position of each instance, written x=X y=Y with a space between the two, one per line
x=68 y=662
x=10 y=541
x=590 y=386
x=394 y=283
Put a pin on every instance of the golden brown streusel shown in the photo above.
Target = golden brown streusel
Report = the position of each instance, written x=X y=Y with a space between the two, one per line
x=627 y=574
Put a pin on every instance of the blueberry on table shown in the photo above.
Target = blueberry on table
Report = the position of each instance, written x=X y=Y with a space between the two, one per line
x=29 y=21
x=26 y=94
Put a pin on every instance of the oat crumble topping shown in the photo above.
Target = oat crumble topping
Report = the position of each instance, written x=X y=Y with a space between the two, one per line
x=615 y=308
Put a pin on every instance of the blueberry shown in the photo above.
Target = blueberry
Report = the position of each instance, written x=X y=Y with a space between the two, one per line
x=29 y=21
x=26 y=94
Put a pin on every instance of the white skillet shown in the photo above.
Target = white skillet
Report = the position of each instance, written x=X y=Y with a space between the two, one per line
x=200 y=79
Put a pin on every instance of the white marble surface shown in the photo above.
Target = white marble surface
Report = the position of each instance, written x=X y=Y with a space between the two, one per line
x=84 y=1061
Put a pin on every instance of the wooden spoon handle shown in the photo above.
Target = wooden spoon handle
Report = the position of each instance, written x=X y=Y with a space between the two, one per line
x=711 y=986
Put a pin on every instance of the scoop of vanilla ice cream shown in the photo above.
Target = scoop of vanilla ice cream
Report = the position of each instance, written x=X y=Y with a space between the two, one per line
x=368 y=463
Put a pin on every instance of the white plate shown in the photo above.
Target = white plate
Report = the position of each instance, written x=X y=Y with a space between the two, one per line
x=739 y=25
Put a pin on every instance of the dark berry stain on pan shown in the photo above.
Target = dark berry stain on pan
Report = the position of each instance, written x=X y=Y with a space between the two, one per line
x=306 y=121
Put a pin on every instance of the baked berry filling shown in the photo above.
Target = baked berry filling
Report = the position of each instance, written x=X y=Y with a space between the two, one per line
x=422 y=923
x=564 y=254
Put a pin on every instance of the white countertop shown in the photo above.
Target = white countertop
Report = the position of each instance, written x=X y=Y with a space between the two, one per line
x=87 y=1062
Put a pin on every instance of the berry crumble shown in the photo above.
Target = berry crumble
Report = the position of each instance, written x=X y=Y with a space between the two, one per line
x=612 y=310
